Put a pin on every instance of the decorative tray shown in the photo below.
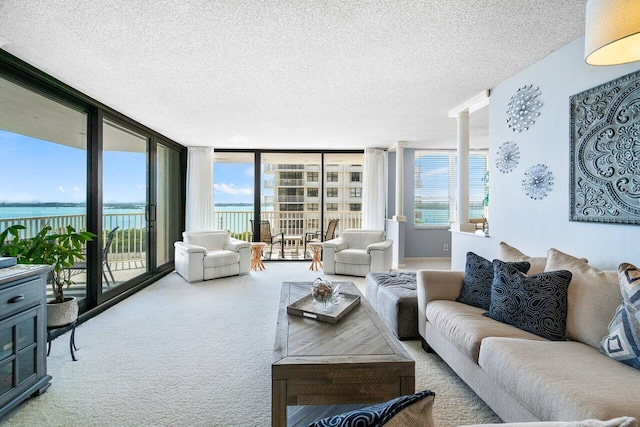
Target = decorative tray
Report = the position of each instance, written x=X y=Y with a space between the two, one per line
x=306 y=308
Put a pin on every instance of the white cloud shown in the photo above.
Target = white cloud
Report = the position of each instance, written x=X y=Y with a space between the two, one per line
x=61 y=189
x=76 y=188
x=233 y=189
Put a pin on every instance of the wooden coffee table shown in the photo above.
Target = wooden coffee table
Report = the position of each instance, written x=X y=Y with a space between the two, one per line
x=357 y=360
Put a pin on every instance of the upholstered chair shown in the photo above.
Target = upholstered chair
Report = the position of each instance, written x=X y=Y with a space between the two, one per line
x=357 y=252
x=205 y=255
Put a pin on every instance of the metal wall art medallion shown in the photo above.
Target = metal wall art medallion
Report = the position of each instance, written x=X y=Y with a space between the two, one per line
x=605 y=152
x=537 y=182
x=507 y=156
x=523 y=108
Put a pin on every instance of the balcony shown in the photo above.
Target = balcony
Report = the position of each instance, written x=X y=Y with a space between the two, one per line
x=127 y=255
x=295 y=223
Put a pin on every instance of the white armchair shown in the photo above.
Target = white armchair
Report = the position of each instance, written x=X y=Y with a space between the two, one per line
x=205 y=255
x=357 y=252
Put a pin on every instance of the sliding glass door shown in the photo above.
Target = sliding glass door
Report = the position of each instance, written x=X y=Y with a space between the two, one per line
x=125 y=205
x=290 y=198
x=167 y=211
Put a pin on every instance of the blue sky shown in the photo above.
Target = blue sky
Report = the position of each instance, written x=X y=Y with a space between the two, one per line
x=33 y=170
x=233 y=182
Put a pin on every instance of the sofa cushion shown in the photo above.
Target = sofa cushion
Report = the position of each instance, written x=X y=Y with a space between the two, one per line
x=478 y=277
x=353 y=256
x=360 y=239
x=592 y=298
x=562 y=380
x=510 y=254
x=623 y=341
x=220 y=257
x=209 y=240
x=536 y=304
x=466 y=327
x=414 y=410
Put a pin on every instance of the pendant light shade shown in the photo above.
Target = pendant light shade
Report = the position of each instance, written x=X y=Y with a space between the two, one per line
x=612 y=33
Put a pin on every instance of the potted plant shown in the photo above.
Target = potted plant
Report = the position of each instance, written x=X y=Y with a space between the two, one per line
x=61 y=250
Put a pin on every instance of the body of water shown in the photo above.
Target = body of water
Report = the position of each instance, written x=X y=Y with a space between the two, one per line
x=113 y=217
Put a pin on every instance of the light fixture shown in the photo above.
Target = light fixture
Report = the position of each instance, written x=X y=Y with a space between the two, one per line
x=612 y=32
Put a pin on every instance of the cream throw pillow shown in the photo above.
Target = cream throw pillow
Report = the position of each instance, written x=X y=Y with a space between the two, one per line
x=592 y=300
x=510 y=254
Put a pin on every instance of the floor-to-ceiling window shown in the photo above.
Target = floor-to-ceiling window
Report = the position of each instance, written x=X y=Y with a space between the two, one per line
x=69 y=160
x=43 y=150
x=295 y=192
x=233 y=193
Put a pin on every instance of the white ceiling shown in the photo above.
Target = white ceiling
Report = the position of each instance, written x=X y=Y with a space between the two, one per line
x=290 y=73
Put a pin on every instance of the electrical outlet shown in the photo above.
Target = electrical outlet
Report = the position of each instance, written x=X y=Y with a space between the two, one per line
x=446 y=247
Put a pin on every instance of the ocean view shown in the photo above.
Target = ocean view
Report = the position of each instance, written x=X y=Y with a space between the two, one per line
x=35 y=211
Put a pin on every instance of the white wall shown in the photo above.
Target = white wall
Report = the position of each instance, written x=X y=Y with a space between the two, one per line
x=533 y=226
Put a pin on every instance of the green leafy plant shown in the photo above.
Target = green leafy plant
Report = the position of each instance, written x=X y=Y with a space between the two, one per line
x=485 y=201
x=61 y=250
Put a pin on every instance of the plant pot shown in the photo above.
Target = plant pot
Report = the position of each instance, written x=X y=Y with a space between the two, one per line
x=62 y=313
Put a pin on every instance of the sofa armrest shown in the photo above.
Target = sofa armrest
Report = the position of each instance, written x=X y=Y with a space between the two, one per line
x=436 y=285
x=190 y=248
x=336 y=244
x=380 y=246
x=236 y=245
x=189 y=261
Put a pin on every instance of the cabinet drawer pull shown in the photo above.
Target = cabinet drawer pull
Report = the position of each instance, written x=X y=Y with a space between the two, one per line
x=16 y=299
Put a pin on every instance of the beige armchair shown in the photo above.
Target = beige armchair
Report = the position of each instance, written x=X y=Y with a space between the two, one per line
x=357 y=252
x=205 y=255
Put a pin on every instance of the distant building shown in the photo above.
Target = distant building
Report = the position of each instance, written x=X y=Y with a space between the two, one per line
x=297 y=190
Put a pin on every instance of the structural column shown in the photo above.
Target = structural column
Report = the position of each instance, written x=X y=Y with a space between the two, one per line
x=462 y=223
x=396 y=226
x=399 y=216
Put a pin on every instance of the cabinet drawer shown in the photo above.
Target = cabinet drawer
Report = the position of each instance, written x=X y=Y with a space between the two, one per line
x=17 y=298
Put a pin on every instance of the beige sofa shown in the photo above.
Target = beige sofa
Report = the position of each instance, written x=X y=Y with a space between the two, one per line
x=521 y=376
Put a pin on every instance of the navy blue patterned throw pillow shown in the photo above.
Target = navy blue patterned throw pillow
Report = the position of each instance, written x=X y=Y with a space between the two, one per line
x=536 y=304
x=379 y=415
x=478 y=277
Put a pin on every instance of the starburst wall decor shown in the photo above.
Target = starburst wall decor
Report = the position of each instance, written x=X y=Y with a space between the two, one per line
x=523 y=108
x=537 y=182
x=507 y=156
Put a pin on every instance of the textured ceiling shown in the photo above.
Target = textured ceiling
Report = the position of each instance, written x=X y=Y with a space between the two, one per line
x=290 y=73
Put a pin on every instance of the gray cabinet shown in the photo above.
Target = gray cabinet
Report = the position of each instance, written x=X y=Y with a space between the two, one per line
x=23 y=335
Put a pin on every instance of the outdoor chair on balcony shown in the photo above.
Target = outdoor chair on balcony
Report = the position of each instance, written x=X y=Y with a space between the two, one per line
x=318 y=236
x=206 y=255
x=106 y=268
x=268 y=237
x=357 y=252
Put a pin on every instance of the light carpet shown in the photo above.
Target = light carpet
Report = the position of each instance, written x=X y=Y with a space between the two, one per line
x=180 y=354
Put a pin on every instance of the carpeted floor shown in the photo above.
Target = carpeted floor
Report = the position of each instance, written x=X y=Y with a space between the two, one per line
x=179 y=354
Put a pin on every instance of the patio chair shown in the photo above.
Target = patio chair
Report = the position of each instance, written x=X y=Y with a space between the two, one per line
x=266 y=236
x=105 y=259
x=318 y=236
